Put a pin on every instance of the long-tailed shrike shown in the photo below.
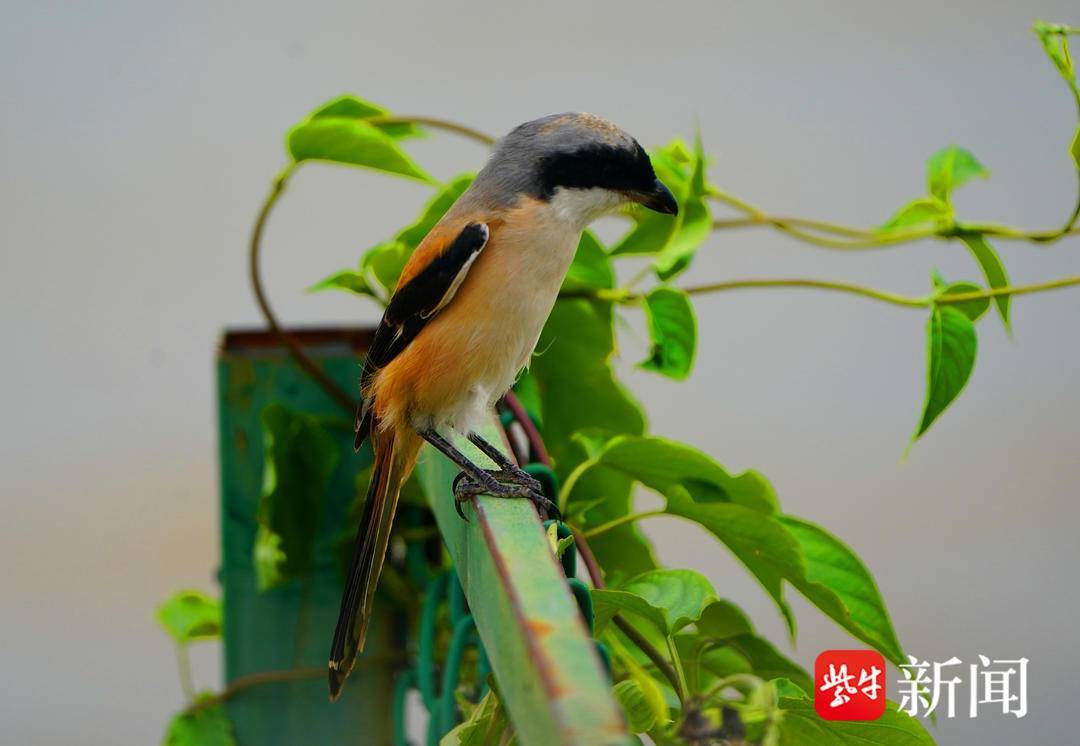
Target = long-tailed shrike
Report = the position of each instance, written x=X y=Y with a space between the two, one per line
x=465 y=316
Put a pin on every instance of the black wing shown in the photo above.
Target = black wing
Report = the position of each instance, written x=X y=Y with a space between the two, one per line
x=412 y=306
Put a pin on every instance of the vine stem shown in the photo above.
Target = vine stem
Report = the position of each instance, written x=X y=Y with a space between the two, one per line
x=183 y=666
x=724 y=683
x=243 y=683
x=1076 y=211
x=621 y=521
x=437 y=123
x=855 y=238
x=841 y=287
x=865 y=238
x=536 y=443
x=679 y=672
x=800 y=228
x=626 y=295
x=858 y=238
x=343 y=400
x=751 y=221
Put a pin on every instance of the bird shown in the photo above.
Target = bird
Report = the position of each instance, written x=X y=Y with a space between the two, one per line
x=465 y=317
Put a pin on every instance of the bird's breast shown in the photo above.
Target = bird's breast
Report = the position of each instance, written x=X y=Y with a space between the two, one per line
x=470 y=354
x=516 y=282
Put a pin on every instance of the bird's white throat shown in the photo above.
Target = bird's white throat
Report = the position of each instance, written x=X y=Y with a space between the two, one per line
x=579 y=207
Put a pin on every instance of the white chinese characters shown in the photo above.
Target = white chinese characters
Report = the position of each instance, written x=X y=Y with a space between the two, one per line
x=838 y=681
x=927 y=686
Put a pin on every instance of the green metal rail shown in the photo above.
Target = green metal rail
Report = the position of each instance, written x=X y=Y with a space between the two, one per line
x=517 y=600
x=550 y=676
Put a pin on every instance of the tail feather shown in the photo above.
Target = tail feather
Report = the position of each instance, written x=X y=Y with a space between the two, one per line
x=391 y=460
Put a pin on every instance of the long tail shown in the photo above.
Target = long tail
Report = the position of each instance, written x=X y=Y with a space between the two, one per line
x=394 y=458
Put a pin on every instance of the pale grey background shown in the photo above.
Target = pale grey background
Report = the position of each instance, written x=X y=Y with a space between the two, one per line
x=138 y=139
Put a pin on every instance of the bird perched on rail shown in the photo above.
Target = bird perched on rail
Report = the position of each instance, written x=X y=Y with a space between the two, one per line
x=466 y=315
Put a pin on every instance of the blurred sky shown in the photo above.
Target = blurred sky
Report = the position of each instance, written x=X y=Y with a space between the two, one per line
x=140 y=137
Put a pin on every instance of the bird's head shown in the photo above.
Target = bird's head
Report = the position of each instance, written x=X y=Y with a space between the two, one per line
x=581 y=164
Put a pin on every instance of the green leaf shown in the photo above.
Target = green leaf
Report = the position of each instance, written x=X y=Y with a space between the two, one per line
x=801 y=726
x=663 y=464
x=558 y=546
x=483 y=727
x=771 y=578
x=347 y=279
x=385 y=260
x=591 y=268
x=722 y=619
x=528 y=393
x=669 y=599
x=973 y=309
x=701 y=490
x=673 y=156
x=353 y=107
x=755 y=655
x=608 y=602
x=1055 y=40
x=269 y=558
x=563 y=545
x=950 y=168
x=205 y=726
x=299 y=458
x=578 y=388
x=695 y=488
x=738 y=511
x=788 y=688
x=680 y=595
x=762 y=544
x=1056 y=44
x=993 y=270
x=579 y=392
x=693 y=223
x=694 y=227
x=839 y=584
x=640 y=715
x=652 y=697
x=951 y=347
x=191 y=615
x=434 y=210
x=352 y=142
x=579 y=508
x=673 y=330
x=918 y=212
x=622 y=552
x=652 y=231
x=822 y=568
x=674 y=241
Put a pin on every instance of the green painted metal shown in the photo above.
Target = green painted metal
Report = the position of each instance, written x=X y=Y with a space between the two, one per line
x=549 y=673
x=289 y=627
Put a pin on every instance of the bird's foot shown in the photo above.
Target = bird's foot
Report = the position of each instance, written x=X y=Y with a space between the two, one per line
x=503 y=483
x=514 y=475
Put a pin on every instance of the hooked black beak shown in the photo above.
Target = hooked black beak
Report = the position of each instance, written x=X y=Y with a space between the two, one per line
x=659 y=198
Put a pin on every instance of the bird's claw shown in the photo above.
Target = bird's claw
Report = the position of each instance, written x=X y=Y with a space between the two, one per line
x=466 y=487
x=519 y=476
